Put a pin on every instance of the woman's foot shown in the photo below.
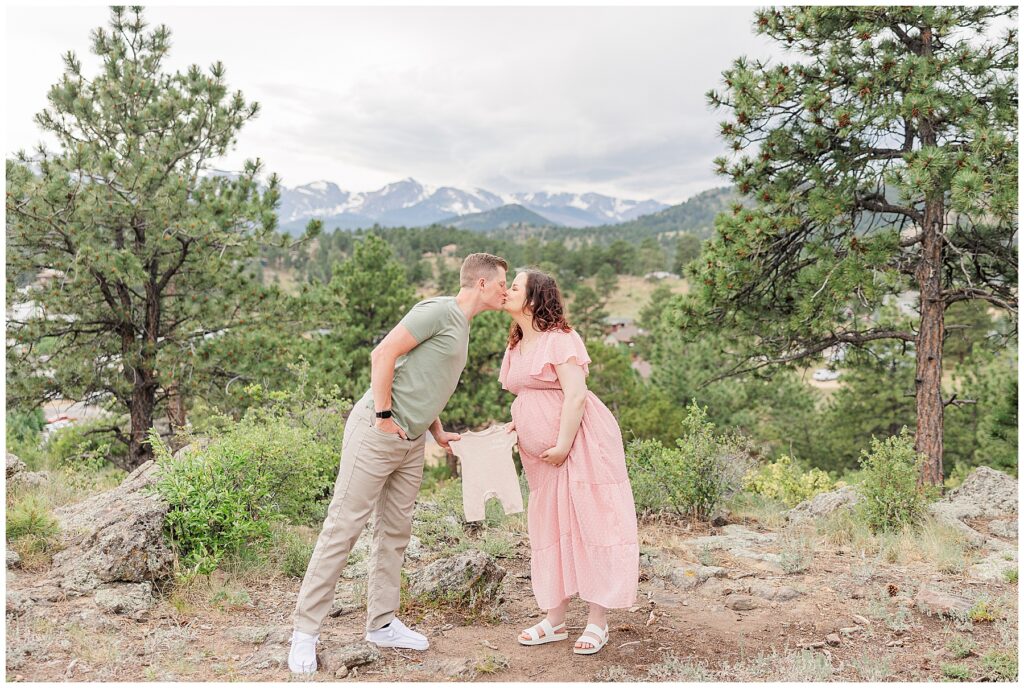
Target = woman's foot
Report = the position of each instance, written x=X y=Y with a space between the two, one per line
x=544 y=632
x=593 y=639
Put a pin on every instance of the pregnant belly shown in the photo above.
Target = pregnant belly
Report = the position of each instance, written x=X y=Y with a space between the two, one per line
x=537 y=422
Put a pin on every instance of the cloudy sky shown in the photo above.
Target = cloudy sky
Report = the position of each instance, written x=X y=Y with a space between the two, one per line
x=605 y=99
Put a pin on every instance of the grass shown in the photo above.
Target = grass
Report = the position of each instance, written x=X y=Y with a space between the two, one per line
x=984 y=611
x=1010 y=575
x=797 y=549
x=961 y=648
x=999 y=665
x=674 y=668
x=955 y=672
x=872 y=668
x=491 y=664
x=801 y=666
x=746 y=506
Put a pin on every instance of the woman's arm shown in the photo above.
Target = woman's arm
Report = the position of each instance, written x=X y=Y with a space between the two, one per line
x=574 y=386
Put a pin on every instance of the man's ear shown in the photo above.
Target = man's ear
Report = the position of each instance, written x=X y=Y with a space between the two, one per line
x=482 y=282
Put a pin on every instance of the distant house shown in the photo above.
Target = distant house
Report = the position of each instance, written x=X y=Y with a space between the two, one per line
x=623 y=335
x=660 y=275
x=642 y=367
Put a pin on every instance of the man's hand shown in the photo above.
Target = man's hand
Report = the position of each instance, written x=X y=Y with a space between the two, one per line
x=389 y=425
x=555 y=456
x=443 y=438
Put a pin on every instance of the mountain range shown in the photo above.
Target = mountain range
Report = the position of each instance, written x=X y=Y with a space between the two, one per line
x=412 y=204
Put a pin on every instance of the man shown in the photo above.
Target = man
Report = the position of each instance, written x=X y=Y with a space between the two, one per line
x=414 y=371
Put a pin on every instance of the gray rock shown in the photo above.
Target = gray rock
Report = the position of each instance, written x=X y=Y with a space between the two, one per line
x=985 y=492
x=741 y=603
x=14 y=466
x=249 y=634
x=349 y=656
x=833 y=639
x=995 y=565
x=17 y=603
x=129 y=599
x=933 y=601
x=691 y=575
x=115 y=536
x=1004 y=528
x=470 y=578
x=767 y=591
x=824 y=504
x=13 y=559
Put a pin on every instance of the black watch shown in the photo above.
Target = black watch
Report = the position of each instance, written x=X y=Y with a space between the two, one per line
x=383 y=414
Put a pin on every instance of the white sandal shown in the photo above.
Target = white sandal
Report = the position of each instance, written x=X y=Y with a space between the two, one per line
x=592 y=632
x=550 y=634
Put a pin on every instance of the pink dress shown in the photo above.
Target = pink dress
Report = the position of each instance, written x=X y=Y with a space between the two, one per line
x=581 y=516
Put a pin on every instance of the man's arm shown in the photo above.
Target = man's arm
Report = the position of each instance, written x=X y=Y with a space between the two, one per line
x=398 y=342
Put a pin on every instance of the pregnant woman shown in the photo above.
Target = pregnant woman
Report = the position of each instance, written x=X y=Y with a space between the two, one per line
x=581 y=517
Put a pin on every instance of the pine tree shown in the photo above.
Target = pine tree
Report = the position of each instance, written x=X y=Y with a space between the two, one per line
x=145 y=254
x=885 y=160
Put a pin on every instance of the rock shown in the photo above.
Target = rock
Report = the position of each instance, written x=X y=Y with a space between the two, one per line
x=849 y=630
x=720 y=517
x=995 y=565
x=833 y=639
x=126 y=598
x=739 y=541
x=471 y=578
x=824 y=504
x=249 y=634
x=692 y=575
x=342 y=672
x=349 y=656
x=1004 y=528
x=984 y=493
x=13 y=559
x=14 y=466
x=741 y=603
x=115 y=536
x=860 y=620
x=452 y=668
x=766 y=591
x=932 y=601
x=17 y=603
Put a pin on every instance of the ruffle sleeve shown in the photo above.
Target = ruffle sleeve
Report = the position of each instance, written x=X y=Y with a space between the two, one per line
x=506 y=362
x=558 y=347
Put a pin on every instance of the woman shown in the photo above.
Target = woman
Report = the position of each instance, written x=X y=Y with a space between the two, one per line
x=581 y=517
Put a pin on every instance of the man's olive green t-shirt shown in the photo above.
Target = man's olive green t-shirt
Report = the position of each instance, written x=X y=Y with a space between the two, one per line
x=426 y=377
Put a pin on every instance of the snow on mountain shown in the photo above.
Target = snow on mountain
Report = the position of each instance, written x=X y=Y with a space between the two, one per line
x=409 y=203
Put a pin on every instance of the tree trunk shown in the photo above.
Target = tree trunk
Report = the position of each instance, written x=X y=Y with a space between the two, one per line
x=931 y=333
x=176 y=415
x=142 y=404
x=452 y=462
x=928 y=379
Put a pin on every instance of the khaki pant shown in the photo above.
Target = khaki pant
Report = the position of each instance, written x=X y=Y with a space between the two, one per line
x=380 y=473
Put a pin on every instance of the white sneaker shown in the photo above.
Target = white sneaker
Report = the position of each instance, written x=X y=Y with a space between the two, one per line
x=302 y=656
x=397 y=634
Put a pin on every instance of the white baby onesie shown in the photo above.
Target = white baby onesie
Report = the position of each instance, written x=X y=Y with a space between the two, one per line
x=488 y=471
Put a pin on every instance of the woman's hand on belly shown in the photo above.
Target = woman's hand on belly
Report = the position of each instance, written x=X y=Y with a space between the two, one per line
x=555 y=456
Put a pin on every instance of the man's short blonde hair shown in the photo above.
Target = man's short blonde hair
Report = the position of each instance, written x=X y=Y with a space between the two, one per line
x=479 y=265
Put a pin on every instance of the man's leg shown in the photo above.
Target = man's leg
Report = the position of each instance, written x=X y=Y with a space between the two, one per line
x=391 y=530
x=368 y=459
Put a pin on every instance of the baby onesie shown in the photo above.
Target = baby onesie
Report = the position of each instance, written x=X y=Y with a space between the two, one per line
x=488 y=471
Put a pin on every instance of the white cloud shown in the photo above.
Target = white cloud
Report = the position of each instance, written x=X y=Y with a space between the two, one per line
x=607 y=99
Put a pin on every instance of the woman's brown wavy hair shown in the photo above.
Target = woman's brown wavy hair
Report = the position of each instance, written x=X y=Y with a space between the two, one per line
x=543 y=301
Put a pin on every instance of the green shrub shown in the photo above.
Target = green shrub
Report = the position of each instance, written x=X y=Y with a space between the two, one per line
x=1000 y=665
x=956 y=672
x=694 y=476
x=783 y=480
x=82 y=447
x=892 y=498
x=24 y=436
x=295 y=556
x=30 y=515
x=961 y=648
x=277 y=464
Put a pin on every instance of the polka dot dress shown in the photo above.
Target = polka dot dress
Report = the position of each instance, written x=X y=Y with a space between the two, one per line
x=581 y=516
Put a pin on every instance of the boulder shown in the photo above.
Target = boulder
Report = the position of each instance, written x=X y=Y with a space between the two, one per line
x=347 y=657
x=471 y=578
x=13 y=559
x=692 y=575
x=17 y=603
x=14 y=466
x=995 y=566
x=115 y=536
x=129 y=599
x=933 y=601
x=741 y=603
x=824 y=504
x=1005 y=528
x=985 y=492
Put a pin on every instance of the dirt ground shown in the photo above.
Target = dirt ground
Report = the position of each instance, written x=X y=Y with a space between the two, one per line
x=238 y=629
